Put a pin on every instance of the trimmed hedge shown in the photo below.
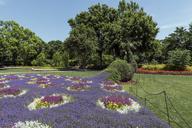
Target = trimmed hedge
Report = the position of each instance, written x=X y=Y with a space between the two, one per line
x=154 y=66
x=120 y=70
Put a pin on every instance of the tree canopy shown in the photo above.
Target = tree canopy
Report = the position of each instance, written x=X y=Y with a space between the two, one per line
x=121 y=32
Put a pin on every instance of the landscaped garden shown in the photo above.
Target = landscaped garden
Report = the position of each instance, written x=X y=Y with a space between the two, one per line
x=51 y=101
x=110 y=71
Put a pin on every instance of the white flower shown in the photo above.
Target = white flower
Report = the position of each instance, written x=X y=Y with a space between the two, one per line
x=135 y=107
x=32 y=106
x=30 y=124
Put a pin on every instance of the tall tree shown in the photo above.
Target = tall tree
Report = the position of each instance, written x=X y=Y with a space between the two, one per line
x=19 y=46
x=81 y=44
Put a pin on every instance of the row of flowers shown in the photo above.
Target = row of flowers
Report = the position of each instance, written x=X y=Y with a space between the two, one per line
x=163 y=72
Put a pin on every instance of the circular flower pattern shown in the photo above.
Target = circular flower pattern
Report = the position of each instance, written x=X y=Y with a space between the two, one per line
x=81 y=86
x=50 y=101
x=43 y=82
x=30 y=124
x=111 y=86
x=121 y=104
x=11 y=92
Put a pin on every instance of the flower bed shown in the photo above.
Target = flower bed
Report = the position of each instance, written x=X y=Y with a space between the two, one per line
x=111 y=86
x=43 y=82
x=81 y=86
x=78 y=80
x=73 y=109
x=11 y=92
x=120 y=104
x=50 y=101
x=163 y=72
x=30 y=124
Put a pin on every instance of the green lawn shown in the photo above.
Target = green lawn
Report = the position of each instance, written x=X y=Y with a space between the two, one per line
x=68 y=73
x=178 y=88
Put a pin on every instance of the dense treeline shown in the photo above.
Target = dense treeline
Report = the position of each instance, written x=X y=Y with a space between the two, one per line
x=20 y=46
x=97 y=37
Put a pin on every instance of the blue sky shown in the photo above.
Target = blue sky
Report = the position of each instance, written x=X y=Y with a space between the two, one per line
x=48 y=18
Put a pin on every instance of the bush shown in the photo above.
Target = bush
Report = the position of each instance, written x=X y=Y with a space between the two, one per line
x=154 y=66
x=179 y=59
x=120 y=70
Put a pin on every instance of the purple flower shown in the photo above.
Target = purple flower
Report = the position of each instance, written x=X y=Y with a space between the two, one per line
x=52 y=99
x=9 y=91
x=119 y=100
x=83 y=112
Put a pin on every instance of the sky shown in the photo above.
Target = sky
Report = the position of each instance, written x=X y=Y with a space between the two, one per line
x=48 y=18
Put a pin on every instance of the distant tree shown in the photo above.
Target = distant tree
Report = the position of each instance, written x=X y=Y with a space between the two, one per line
x=40 y=60
x=179 y=59
x=57 y=59
x=53 y=47
x=19 y=46
x=81 y=44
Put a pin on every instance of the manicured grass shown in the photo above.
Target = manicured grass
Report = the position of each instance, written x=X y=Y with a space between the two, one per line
x=68 y=73
x=178 y=88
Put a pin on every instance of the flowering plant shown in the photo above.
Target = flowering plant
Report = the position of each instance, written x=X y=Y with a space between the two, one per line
x=43 y=82
x=50 y=101
x=78 y=87
x=120 y=104
x=111 y=86
x=11 y=92
x=30 y=124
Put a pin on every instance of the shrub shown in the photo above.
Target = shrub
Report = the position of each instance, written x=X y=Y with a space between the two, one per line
x=179 y=59
x=120 y=70
x=154 y=66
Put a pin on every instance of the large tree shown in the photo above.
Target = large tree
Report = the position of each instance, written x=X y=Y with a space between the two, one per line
x=19 y=46
x=81 y=44
x=120 y=32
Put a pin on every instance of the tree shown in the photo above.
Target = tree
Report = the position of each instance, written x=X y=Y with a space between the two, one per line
x=40 y=60
x=96 y=18
x=19 y=46
x=179 y=59
x=81 y=44
x=53 y=47
x=57 y=59
x=121 y=32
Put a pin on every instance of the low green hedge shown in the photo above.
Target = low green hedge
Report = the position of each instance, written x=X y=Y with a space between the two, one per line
x=154 y=66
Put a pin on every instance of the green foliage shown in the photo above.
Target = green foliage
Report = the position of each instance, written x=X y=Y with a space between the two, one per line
x=65 y=58
x=40 y=61
x=122 y=32
x=57 y=59
x=18 y=45
x=120 y=70
x=179 y=59
x=154 y=66
x=108 y=59
x=53 y=47
x=81 y=44
x=181 y=38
